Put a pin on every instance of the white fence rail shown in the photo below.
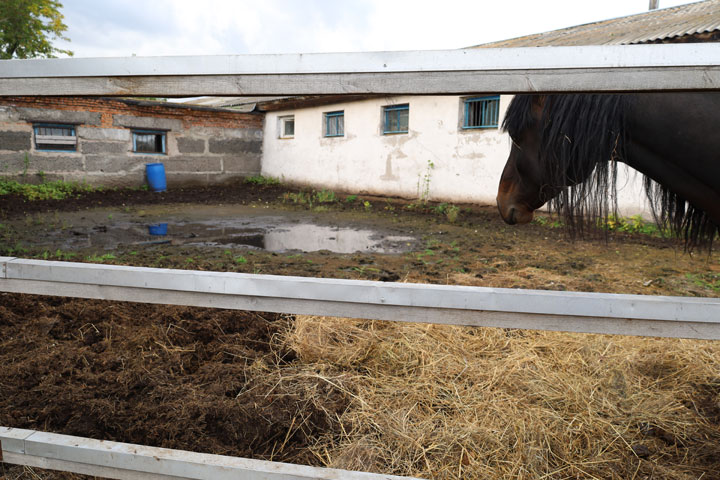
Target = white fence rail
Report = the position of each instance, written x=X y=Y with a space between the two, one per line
x=444 y=304
x=554 y=69
x=133 y=462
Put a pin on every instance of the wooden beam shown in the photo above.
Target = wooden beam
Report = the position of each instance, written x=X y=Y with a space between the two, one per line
x=443 y=304
x=128 y=461
x=545 y=69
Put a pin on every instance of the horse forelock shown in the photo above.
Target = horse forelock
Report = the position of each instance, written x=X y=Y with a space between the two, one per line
x=518 y=115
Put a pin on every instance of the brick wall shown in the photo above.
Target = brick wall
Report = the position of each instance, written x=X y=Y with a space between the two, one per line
x=203 y=145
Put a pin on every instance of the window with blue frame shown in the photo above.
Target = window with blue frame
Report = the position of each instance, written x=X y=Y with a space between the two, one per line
x=149 y=141
x=335 y=124
x=51 y=137
x=395 y=118
x=481 y=112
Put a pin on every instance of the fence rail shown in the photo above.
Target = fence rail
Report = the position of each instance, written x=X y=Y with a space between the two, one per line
x=132 y=462
x=611 y=68
x=444 y=304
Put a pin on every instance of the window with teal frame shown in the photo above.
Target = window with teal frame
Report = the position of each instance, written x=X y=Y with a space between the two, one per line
x=481 y=112
x=149 y=141
x=335 y=124
x=395 y=118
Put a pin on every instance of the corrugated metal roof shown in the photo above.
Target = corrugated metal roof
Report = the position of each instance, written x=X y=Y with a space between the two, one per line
x=666 y=23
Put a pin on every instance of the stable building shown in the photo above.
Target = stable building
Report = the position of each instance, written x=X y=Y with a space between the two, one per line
x=108 y=141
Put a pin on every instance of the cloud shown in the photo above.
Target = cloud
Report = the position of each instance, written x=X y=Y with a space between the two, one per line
x=208 y=27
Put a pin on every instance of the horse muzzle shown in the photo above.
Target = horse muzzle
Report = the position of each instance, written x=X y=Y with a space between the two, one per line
x=515 y=214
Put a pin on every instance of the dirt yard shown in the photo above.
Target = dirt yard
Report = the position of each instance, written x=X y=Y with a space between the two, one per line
x=293 y=389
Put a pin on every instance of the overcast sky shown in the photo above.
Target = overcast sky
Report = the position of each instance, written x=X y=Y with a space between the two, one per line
x=118 y=28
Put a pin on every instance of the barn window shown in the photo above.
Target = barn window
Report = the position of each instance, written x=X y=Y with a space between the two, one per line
x=287 y=126
x=481 y=112
x=55 y=137
x=149 y=141
x=335 y=124
x=395 y=118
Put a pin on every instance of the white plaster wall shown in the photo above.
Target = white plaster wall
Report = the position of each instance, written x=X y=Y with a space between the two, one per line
x=436 y=159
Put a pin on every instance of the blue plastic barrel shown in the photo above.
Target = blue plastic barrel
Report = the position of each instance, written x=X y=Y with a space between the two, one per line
x=158 y=229
x=156 y=176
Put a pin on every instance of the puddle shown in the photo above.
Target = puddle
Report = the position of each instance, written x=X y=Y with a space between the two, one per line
x=224 y=227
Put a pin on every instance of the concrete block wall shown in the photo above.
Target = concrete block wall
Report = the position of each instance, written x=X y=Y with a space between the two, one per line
x=203 y=145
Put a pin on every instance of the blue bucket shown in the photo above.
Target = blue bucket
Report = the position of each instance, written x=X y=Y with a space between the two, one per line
x=156 y=176
x=158 y=229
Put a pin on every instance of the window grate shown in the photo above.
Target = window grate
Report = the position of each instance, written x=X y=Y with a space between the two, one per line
x=481 y=112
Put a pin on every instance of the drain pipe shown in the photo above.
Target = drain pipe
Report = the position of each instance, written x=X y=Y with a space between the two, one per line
x=654 y=4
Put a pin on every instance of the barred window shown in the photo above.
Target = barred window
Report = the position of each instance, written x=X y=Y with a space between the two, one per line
x=481 y=112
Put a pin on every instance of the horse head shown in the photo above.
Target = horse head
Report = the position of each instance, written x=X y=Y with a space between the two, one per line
x=520 y=192
x=556 y=157
x=524 y=184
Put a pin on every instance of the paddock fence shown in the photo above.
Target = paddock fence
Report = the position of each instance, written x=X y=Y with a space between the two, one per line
x=688 y=67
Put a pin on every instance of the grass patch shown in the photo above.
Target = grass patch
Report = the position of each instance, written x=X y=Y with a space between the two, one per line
x=708 y=281
x=260 y=180
x=310 y=198
x=56 y=190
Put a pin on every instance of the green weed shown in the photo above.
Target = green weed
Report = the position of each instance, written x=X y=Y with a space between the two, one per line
x=100 y=258
x=301 y=198
x=60 y=255
x=633 y=224
x=449 y=210
x=260 y=180
x=325 y=196
x=546 y=222
x=423 y=184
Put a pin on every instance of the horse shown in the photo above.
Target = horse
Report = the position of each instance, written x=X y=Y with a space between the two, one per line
x=566 y=149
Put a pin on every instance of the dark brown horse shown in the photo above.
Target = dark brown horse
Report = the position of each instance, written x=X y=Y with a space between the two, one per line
x=565 y=151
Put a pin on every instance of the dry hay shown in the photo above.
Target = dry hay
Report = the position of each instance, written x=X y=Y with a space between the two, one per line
x=458 y=402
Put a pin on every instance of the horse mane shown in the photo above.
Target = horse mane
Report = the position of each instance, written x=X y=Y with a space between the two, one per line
x=582 y=138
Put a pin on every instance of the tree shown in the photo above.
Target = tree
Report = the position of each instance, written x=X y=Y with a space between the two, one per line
x=27 y=28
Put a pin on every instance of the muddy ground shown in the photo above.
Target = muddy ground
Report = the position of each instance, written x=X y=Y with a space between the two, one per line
x=201 y=379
